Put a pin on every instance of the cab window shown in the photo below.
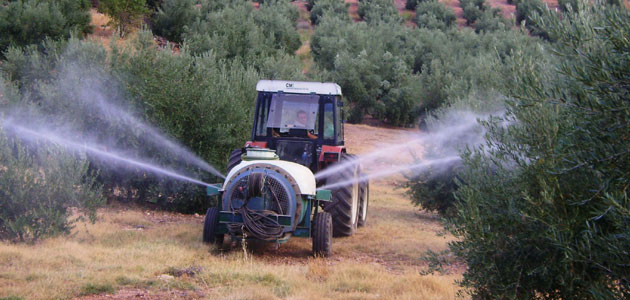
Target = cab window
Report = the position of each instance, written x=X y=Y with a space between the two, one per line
x=329 y=125
x=288 y=111
x=339 y=115
x=261 y=122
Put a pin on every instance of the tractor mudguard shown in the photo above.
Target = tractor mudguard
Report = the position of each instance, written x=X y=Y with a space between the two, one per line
x=330 y=154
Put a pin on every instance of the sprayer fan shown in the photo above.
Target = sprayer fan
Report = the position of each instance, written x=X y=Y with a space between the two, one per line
x=258 y=184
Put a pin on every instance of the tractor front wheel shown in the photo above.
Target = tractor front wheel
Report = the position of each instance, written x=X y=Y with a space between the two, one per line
x=210 y=227
x=322 y=234
x=344 y=207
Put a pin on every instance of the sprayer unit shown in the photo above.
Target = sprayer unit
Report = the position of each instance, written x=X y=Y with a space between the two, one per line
x=269 y=199
x=270 y=192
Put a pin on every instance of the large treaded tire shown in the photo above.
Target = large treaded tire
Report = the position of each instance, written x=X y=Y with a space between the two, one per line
x=344 y=207
x=364 y=196
x=322 y=234
x=235 y=159
x=210 y=227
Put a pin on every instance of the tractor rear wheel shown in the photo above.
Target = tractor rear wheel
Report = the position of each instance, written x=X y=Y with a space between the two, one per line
x=322 y=234
x=364 y=196
x=210 y=227
x=344 y=207
x=235 y=159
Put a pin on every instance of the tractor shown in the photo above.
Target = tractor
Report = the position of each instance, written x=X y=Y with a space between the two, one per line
x=272 y=188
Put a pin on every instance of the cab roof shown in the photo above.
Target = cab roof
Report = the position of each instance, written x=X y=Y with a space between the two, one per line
x=299 y=87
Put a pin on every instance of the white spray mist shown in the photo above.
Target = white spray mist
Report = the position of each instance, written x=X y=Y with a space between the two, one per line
x=94 y=149
x=437 y=150
x=90 y=89
x=96 y=100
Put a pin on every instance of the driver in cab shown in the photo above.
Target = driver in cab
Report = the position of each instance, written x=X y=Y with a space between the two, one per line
x=300 y=122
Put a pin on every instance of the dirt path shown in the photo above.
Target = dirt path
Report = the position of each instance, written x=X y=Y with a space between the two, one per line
x=304 y=21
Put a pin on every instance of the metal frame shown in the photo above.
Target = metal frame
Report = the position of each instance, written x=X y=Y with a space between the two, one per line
x=299 y=87
x=303 y=229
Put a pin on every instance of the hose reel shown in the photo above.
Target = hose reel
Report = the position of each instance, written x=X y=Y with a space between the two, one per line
x=259 y=218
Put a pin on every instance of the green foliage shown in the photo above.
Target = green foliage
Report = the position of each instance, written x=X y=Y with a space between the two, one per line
x=411 y=4
x=334 y=8
x=310 y=4
x=153 y=5
x=83 y=77
x=564 y=4
x=491 y=20
x=77 y=15
x=31 y=21
x=172 y=17
x=97 y=288
x=205 y=102
x=434 y=15
x=545 y=212
x=123 y=13
x=241 y=31
x=40 y=183
x=618 y=3
x=278 y=19
x=66 y=80
x=525 y=10
x=380 y=83
x=377 y=11
x=8 y=94
x=396 y=73
x=433 y=190
x=473 y=10
x=375 y=81
x=482 y=17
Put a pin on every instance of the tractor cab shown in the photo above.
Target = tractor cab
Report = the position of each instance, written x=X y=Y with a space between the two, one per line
x=302 y=121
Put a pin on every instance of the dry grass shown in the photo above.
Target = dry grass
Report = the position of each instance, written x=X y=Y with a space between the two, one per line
x=116 y=254
x=131 y=252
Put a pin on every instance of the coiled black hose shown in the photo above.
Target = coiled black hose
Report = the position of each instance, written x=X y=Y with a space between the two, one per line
x=263 y=224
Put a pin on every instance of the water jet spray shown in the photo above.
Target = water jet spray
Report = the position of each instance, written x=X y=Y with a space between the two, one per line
x=32 y=134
